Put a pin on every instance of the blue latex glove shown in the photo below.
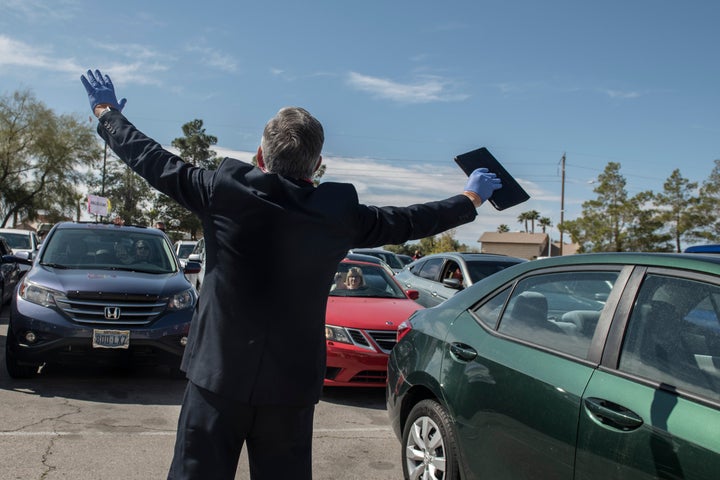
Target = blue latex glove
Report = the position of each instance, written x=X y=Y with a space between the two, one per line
x=483 y=183
x=101 y=91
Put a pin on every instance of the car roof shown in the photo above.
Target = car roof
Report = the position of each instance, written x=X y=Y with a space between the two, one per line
x=16 y=230
x=364 y=258
x=360 y=250
x=707 y=263
x=472 y=256
x=364 y=262
x=107 y=226
x=712 y=248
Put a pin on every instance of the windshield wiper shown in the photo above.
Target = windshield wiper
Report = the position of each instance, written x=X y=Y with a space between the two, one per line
x=55 y=265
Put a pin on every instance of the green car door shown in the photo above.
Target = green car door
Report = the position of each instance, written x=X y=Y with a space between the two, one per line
x=516 y=407
x=653 y=411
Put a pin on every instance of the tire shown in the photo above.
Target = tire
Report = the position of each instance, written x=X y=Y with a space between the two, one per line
x=429 y=448
x=14 y=369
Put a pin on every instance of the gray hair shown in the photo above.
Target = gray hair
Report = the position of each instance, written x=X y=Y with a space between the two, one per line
x=292 y=142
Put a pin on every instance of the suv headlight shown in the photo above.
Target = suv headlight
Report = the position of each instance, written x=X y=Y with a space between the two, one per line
x=182 y=300
x=337 y=334
x=34 y=293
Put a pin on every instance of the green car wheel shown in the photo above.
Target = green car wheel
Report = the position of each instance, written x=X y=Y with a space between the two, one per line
x=429 y=447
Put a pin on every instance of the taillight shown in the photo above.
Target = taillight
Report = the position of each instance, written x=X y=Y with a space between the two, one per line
x=403 y=329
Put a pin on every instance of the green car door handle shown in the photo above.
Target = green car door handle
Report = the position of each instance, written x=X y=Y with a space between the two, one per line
x=612 y=414
x=463 y=352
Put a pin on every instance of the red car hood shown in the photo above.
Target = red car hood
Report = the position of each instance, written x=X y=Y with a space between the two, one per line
x=369 y=313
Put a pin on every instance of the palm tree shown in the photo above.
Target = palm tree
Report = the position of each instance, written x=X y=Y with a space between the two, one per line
x=523 y=218
x=532 y=216
x=503 y=229
x=545 y=222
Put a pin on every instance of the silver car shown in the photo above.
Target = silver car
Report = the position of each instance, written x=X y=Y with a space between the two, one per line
x=439 y=276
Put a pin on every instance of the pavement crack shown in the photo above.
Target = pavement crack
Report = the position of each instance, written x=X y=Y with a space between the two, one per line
x=46 y=457
x=55 y=418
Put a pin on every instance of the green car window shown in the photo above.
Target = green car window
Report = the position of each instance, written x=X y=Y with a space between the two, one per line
x=489 y=312
x=558 y=310
x=673 y=335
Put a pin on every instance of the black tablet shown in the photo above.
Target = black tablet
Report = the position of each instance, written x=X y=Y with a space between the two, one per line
x=511 y=192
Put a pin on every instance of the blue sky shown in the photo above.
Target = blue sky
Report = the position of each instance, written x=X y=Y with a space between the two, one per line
x=401 y=87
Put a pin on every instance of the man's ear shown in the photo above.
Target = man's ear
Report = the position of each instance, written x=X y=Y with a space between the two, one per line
x=317 y=165
x=260 y=160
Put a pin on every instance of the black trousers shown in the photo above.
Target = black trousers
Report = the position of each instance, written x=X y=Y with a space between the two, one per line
x=212 y=431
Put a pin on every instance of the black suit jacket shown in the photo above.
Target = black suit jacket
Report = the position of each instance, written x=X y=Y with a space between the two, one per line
x=272 y=248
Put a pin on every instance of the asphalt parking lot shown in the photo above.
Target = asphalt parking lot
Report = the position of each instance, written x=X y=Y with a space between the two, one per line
x=106 y=424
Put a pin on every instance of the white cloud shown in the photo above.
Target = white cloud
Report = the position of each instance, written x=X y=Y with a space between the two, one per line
x=621 y=94
x=42 y=11
x=428 y=89
x=14 y=53
x=215 y=59
x=20 y=54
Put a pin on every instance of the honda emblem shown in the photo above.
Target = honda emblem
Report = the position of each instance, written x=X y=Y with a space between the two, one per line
x=112 y=313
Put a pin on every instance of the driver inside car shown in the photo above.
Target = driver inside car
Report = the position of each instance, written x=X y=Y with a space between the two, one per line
x=355 y=279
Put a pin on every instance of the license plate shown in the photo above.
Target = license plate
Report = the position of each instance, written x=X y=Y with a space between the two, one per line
x=111 y=338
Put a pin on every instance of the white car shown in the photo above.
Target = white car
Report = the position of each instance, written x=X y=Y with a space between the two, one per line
x=197 y=255
x=183 y=248
x=21 y=241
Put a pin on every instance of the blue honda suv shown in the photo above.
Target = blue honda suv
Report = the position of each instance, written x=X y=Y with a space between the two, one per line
x=99 y=294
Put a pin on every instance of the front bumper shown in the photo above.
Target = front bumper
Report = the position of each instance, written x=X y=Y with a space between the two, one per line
x=60 y=340
x=352 y=366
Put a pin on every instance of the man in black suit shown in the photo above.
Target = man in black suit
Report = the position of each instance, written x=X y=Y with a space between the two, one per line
x=255 y=357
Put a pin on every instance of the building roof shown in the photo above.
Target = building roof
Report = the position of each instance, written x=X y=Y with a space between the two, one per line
x=514 y=237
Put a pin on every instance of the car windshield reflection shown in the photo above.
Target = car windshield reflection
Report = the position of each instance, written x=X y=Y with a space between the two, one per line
x=108 y=250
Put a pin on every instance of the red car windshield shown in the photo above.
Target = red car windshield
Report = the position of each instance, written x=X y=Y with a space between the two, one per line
x=363 y=280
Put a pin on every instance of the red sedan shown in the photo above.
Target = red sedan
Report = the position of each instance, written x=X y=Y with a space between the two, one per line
x=365 y=308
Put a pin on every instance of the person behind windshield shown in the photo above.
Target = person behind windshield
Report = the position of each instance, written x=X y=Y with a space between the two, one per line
x=142 y=251
x=339 y=282
x=355 y=279
x=122 y=253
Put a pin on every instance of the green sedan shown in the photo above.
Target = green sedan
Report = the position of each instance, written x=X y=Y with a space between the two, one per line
x=596 y=366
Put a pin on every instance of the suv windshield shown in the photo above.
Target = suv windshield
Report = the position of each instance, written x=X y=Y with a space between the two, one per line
x=103 y=249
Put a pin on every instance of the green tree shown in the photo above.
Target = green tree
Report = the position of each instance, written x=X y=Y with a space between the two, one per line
x=503 y=228
x=42 y=156
x=444 y=242
x=678 y=208
x=195 y=147
x=601 y=228
x=130 y=195
x=613 y=222
x=708 y=208
x=647 y=233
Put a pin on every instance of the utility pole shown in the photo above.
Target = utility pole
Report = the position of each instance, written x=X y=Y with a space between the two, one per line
x=562 y=202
